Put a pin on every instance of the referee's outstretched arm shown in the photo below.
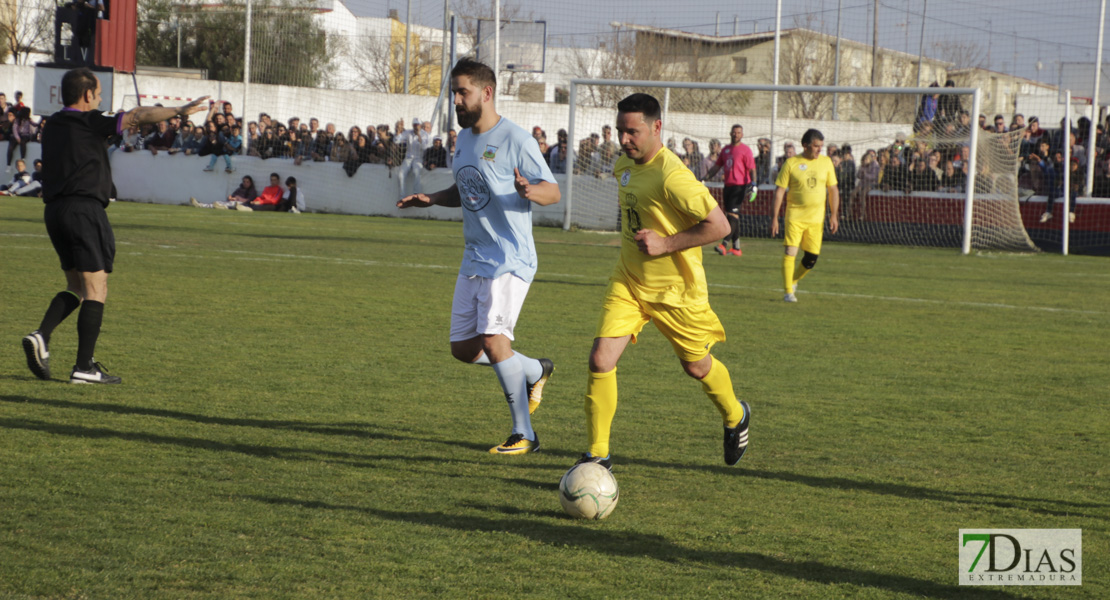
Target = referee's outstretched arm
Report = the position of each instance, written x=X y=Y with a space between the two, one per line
x=142 y=115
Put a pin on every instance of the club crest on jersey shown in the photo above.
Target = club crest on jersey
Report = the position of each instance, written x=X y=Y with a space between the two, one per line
x=490 y=153
x=801 y=167
x=626 y=177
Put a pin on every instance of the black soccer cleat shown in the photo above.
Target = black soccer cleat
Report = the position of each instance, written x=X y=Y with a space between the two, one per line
x=605 y=462
x=535 y=390
x=38 y=357
x=96 y=374
x=736 y=438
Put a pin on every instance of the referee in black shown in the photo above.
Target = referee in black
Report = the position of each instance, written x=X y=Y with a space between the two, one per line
x=77 y=182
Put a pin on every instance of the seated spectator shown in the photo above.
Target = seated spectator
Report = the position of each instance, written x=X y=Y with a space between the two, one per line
x=215 y=145
x=21 y=178
x=34 y=188
x=292 y=200
x=436 y=156
x=245 y=193
x=132 y=140
x=233 y=141
x=558 y=159
x=269 y=199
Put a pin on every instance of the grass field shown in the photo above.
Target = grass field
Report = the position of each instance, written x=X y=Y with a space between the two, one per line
x=292 y=425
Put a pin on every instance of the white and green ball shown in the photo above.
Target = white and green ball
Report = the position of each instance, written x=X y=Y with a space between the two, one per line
x=588 y=491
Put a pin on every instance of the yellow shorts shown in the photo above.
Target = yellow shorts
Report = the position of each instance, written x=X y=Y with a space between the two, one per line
x=806 y=236
x=691 y=330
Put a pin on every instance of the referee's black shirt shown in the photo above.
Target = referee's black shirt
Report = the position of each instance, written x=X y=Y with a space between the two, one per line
x=75 y=155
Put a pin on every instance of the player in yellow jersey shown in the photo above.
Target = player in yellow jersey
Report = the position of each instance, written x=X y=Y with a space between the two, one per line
x=666 y=217
x=810 y=178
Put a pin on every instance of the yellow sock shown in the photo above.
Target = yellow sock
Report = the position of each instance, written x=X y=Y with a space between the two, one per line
x=718 y=386
x=801 y=273
x=601 y=405
x=788 y=273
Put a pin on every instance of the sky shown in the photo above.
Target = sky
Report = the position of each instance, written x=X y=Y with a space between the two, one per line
x=1010 y=36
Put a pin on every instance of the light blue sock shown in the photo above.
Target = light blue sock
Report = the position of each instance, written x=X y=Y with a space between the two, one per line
x=511 y=375
x=482 y=360
x=533 y=370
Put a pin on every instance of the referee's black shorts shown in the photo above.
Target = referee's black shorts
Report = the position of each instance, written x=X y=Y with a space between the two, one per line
x=81 y=234
x=734 y=197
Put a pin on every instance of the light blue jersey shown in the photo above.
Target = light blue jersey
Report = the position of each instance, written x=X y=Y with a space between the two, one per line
x=497 y=222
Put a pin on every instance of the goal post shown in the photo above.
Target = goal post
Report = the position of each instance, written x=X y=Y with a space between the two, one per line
x=983 y=213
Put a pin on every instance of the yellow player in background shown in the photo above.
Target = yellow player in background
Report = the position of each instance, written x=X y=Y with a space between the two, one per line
x=810 y=177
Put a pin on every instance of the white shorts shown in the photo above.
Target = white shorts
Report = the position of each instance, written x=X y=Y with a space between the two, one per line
x=485 y=306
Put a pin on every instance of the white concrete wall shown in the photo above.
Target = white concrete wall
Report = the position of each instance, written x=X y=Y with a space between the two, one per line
x=374 y=190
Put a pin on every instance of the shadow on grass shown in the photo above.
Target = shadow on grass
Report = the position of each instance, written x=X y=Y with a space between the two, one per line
x=357 y=430
x=623 y=543
x=1062 y=508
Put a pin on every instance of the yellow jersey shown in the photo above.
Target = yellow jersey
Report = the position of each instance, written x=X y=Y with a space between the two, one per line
x=806 y=181
x=663 y=196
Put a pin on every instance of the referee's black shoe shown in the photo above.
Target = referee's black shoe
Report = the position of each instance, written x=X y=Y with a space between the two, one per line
x=96 y=374
x=38 y=357
x=736 y=438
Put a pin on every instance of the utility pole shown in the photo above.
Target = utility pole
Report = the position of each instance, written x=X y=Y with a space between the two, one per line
x=408 y=36
x=874 y=56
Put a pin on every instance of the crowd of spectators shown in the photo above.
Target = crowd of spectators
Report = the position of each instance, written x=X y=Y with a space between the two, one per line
x=934 y=158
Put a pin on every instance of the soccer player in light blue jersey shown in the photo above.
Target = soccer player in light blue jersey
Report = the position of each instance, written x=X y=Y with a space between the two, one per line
x=499 y=173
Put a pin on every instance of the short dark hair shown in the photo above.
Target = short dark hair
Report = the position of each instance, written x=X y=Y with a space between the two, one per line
x=291 y=180
x=272 y=175
x=478 y=72
x=75 y=83
x=641 y=103
x=810 y=135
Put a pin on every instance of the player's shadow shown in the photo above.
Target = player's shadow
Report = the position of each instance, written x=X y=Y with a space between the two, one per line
x=623 y=543
x=1059 y=508
x=358 y=430
x=253 y=450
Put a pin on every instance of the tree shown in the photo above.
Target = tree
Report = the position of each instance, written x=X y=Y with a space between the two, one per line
x=288 y=46
x=378 y=60
x=27 y=28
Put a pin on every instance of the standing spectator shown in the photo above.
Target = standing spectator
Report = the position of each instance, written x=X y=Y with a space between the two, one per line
x=346 y=155
x=896 y=177
x=711 y=159
x=162 y=139
x=952 y=180
x=846 y=176
x=436 y=156
x=584 y=160
x=788 y=152
x=922 y=178
x=739 y=167
x=7 y=122
x=452 y=137
x=412 y=167
x=868 y=179
x=927 y=109
x=194 y=142
x=948 y=105
x=558 y=160
x=763 y=162
x=608 y=150
x=23 y=131
x=560 y=136
x=693 y=158
x=305 y=146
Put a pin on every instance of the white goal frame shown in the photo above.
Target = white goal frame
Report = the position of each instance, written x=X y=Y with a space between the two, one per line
x=975 y=93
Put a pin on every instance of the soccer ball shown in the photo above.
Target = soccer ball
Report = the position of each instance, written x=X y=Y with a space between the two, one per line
x=588 y=491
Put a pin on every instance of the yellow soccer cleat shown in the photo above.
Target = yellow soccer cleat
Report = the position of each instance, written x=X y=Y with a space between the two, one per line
x=517 y=444
x=535 y=390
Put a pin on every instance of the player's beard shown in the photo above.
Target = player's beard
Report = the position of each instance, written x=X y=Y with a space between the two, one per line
x=468 y=115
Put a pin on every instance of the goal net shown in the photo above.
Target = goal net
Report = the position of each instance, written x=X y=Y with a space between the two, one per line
x=904 y=157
